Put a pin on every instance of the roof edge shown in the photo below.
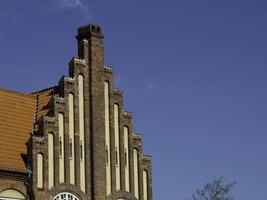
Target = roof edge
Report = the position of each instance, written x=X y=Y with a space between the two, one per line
x=17 y=93
x=43 y=90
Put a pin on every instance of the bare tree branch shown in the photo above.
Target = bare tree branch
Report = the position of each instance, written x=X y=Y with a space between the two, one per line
x=214 y=191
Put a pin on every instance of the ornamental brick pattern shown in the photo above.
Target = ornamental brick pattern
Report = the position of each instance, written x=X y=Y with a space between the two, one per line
x=25 y=127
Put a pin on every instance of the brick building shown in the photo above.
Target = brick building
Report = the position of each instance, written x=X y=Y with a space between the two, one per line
x=73 y=141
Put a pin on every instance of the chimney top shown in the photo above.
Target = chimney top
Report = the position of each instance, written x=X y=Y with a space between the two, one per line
x=90 y=30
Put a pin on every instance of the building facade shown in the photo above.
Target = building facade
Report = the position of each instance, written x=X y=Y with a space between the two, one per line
x=73 y=141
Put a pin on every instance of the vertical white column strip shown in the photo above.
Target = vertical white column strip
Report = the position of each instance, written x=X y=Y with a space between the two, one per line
x=61 y=148
x=50 y=160
x=136 y=176
x=71 y=142
x=126 y=155
x=81 y=128
x=145 y=183
x=107 y=138
x=117 y=146
x=40 y=169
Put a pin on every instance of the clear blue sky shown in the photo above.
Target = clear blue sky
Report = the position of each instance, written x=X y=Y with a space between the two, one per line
x=194 y=75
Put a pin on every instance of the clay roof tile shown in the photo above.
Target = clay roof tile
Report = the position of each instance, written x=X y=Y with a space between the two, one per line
x=18 y=113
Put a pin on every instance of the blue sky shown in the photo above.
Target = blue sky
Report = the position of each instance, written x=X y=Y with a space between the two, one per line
x=194 y=75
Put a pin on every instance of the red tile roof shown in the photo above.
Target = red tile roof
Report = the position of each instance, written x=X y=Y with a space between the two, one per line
x=18 y=112
x=43 y=98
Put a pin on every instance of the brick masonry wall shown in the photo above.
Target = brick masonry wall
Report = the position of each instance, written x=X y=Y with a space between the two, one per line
x=90 y=64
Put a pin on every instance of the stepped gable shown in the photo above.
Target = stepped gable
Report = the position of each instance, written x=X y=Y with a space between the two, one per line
x=76 y=137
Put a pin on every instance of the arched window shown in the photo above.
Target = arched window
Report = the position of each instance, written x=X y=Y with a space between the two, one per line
x=11 y=194
x=98 y=30
x=65 y=196
x=93 y=29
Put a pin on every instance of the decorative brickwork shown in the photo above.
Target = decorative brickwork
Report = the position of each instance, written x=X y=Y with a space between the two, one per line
x=90 y=150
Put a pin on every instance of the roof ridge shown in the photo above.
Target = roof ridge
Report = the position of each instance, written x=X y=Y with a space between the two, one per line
x=44 y=90
x=17 y=92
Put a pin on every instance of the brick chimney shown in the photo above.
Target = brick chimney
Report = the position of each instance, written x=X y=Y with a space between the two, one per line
x=90 y=44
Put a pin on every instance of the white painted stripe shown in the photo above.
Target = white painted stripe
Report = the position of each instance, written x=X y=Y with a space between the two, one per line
x=107 y=138
x=145 y=184
x=117 y=147
x=61 y=148
x=136 y=175
x=126 y=154
x=50 y=160
x=81 y=129
x=40 y=176
x=71 y=142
